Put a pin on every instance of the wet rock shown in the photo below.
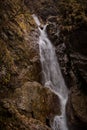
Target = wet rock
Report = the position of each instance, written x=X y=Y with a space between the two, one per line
x=79 y=56
x=71 y=21
x=19 y=59
x=43 y=8
x=77 y=110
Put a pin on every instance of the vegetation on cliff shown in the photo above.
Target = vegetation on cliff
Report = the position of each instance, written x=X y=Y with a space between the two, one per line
x=20 y=65
x=16 y=50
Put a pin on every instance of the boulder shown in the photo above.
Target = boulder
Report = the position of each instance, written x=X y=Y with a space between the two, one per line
x=30 y=101
x=36 y=101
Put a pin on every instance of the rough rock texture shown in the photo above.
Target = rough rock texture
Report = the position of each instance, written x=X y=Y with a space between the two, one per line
x=36 y=101
x=19 y=62
x=30 y=101
x=67 y=29
x=16 y=121
x=19 y=59
x=77 y=110
x=22 y=108
x=43 y=8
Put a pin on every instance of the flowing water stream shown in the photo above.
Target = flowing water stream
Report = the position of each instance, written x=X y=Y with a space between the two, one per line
x=52 y=76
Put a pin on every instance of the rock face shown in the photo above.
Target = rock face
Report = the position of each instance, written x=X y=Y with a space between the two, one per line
x=30 y=102
x=24 y=105
x=77 y=110
x=23 y=102
x=67 y=29
x=19 y=58
x=36 y=101
x=21 y=122
x=43 y=8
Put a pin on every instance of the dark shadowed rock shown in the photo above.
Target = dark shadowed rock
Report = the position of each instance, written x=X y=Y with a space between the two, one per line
x=19 y=62
x=67 y=29
x=77 y=110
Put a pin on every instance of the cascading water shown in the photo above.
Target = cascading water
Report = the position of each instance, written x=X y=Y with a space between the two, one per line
x=52 y=76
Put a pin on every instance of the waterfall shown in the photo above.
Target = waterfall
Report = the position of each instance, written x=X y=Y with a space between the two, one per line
x=52 y=76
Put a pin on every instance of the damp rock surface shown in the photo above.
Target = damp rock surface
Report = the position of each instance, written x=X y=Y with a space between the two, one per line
x=20 y=63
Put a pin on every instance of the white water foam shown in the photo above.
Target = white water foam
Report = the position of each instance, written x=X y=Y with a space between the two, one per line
x=36 y=19
x=52 y=76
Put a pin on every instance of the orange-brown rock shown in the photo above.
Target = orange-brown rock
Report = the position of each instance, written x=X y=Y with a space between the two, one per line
x=35 y=101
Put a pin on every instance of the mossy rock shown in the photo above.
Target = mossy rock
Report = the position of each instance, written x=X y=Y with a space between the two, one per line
x=17 y=49
x=34 y=100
